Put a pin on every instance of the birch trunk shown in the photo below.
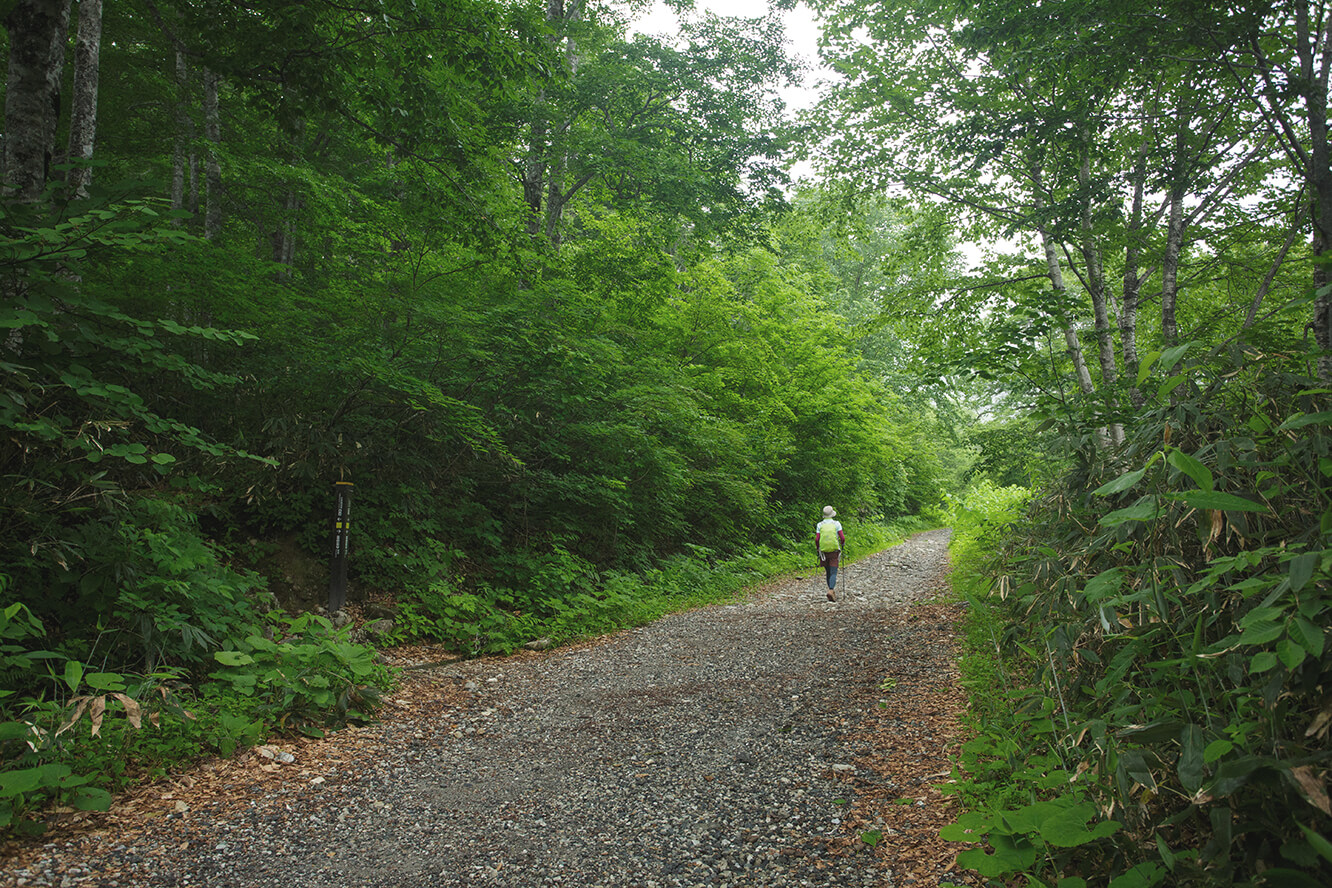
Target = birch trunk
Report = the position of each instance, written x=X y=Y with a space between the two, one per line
x=83 y=111
x=1170 y=267
x=1056 y=272
x=1100 y=296
x=1128 y=318
x=37 y=34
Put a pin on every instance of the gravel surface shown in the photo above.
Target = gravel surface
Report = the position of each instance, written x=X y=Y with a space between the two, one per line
x=710 y=748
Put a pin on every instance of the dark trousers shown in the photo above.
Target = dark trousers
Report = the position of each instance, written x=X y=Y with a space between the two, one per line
x=829 y=562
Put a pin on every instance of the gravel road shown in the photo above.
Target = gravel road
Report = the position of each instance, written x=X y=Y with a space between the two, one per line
x=712 y=747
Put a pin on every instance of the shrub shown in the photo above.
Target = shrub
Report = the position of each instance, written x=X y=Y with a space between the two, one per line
x=1170 y=625
x=308 y=677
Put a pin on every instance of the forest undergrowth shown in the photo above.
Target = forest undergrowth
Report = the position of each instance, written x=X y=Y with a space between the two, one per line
x=1147 y=646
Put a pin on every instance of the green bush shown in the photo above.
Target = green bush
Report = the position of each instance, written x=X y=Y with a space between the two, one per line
x=141 y=588
x=1164 y=631
x=308 y=677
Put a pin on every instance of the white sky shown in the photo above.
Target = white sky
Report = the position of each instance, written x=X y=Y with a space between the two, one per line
x=802 y=35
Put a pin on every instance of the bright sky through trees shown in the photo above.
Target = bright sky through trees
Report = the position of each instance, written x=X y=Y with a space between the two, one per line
x=802 y=34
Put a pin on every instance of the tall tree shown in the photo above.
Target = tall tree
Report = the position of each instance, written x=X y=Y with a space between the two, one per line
x=37 y=35
x=83 y=114
x=1046 y=123
x=695 y=131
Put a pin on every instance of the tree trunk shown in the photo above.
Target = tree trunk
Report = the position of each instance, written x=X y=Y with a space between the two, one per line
x=184 y=136
x=1170 y=267
x=37 y=35
x=1315 y=58
x=1100 y=295
x=544 y=189
x=1128 y=318
x=1056 y=273
x=1080 y=371
x=284 y=236
x=534 y=173
x=83 y=111
x=1174 y=244
x=213 y=175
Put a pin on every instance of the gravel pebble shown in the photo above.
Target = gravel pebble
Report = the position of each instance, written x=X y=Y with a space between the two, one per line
x=701 y=750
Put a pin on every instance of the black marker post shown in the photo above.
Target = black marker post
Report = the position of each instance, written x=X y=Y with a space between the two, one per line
x=337 y=585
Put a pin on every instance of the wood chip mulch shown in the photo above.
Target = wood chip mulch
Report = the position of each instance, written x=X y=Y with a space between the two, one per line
x=913 y=721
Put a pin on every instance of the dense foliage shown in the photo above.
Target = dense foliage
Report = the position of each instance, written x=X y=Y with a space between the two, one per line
x=539 y=288
x=532 y=283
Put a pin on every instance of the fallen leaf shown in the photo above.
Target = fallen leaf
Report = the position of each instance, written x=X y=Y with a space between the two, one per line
x=1315 y=788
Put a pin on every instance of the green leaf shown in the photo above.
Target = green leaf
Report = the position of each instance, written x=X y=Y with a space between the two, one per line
x=1306 y=419
x=1144 y=875
x=14 y=730
x=1167 y=856
x=105 y=681
x=1319 y=843
x=1145 y=368
x=1104 y=584
x=20 y=318
x=1169 y=386
x=14 y=783
x=1309 y=636
x=1262 y=662
x=1234 y=774
x=1122 y=483
x=1216 y=749
x=969 y=827
x=1191 y=467
x=1214 y=499
x=1171 y=356
x=73 y=674
x=233 y=658
x=1302 y=569
x=1191 y=759
x=1291 y=654
x=91 y=798
x=1009 y=856
x=1262 y=632
x=1146 y=510
x=1070 y=832
x=1135 y=765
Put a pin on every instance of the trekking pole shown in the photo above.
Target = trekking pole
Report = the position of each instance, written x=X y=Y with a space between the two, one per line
x=844 y=566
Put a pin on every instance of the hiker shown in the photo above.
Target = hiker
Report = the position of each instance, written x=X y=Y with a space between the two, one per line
x=828 y=540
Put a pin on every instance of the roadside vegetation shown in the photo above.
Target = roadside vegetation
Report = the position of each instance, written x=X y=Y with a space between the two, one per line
x=1147 y=648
